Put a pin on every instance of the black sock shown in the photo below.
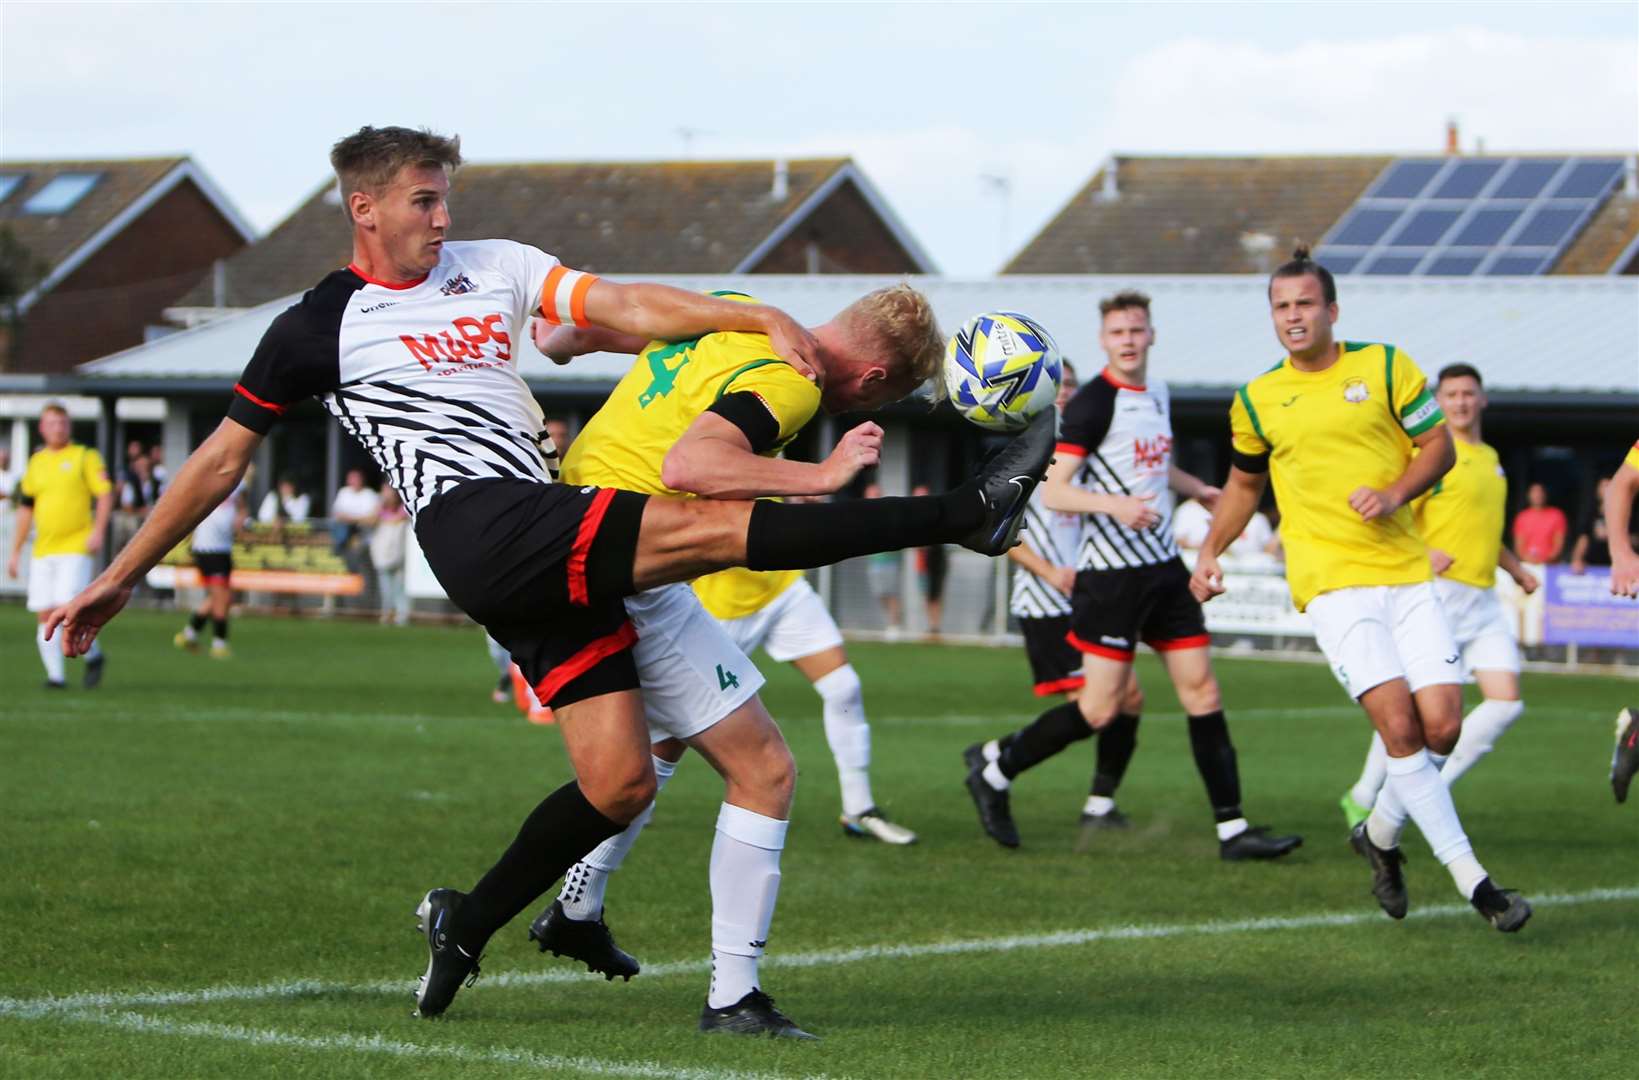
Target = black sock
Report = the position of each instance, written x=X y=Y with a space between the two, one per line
x=1051 y=732
x=798 y=536
x=196 y=622
x=1116 y=744
x=1215 y=759
x=555 y=836
x=221 y=628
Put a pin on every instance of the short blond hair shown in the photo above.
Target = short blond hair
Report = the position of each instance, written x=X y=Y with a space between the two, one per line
x=901 y=318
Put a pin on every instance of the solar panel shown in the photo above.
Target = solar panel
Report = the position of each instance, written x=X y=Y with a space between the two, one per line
x=1406 y=180
x=61 y=193
x=1456 y=216
x=8 y=184
x=1341 y=264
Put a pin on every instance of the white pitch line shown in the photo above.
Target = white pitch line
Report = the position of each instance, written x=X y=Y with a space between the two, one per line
x=380 y=1044
x=36 y=1008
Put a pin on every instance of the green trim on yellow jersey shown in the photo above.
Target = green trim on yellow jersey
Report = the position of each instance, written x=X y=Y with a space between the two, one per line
x=741 y=370
x=1251 y=413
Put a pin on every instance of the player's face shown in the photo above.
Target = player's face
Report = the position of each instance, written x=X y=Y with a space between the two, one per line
x=1462 y=400
x=1303 y=318
x=54 y=428
x=411 y=218
x=1126 y=337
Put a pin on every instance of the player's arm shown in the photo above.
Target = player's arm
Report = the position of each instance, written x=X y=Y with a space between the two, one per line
x=99 y=529
x=1515 y=569
x=1085 y=424
x=200 y=486
x=717 y=457
x=1243 y=491
x=1191 y=486
x=21 y=524
x=1435 y=457
x=653 y=312
x=1619 y=496
x=561 y=344
x=1062 y=578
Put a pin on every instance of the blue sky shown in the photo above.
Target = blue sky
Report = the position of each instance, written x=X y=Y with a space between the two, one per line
x=929 y=98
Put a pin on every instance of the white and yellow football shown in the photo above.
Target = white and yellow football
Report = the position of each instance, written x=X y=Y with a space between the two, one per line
x=1002 y=368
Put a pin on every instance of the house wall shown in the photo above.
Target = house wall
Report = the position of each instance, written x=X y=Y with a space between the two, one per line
x=850 y=237
x=105 y=305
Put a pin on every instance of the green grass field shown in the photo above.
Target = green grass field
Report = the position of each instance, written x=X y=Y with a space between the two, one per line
x=210 y=868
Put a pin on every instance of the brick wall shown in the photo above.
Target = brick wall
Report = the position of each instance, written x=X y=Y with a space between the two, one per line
x=852 y=239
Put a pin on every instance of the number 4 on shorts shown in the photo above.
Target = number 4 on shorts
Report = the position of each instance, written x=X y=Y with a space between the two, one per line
x=726 y=679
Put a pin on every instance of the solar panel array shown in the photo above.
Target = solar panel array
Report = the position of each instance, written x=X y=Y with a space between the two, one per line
x=1458 y=216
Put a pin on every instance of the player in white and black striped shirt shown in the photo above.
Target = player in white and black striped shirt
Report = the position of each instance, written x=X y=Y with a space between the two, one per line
x=1113 y=465
x=413 y=348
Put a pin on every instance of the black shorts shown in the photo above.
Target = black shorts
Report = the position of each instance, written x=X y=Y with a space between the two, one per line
x=1116 y=609
x=215 y=567
x=545 y=568
x=1055 y=664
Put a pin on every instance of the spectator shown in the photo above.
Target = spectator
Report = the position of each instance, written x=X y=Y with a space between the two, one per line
x=557 y=429
x=932 y=563
x=882 y=574
x=285 y=503
x=156 y=458
x=1191 y=521
x=9 y=478
x=1539 y=529
x=354 y=507
x=139 y=490
x=1593 y=544
x=388 y=541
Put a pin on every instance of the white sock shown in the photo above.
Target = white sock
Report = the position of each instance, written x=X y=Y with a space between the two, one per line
x=1098 y=805
x=993 y=776
x=1228 y=830
x=991 y=750
x=189 y=633
x=849 y=736
x=1481 y=730
x=1370 y=783
x=1414 y=783
x=583 y=886
x=745 y=882
x=51 y=654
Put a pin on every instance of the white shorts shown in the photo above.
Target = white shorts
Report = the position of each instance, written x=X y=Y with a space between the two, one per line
x=56 y=579
x=1375 y=633
x=1480 y=627
x=692 y=673
x=795 y=624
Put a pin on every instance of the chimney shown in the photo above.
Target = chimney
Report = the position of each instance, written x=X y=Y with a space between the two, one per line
x=1630 y=177
x=782 y=181
x=1110 y=191
x=1451 y=137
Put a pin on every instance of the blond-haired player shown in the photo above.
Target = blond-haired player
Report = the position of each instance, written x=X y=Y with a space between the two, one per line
x=1461 y=519
x=1350 y=434
x=708 y=417
x=66 y=497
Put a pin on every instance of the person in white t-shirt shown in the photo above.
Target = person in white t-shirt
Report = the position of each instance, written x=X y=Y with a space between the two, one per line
x=1191 y=521
x=388 y=541
x=285 y=502
x=354 y=508
x=212 y=547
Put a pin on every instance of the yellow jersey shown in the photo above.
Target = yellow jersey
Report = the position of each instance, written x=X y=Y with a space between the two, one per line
x=1324 y=434
x=667 y=388
x=1462 y=514
x=61 y=486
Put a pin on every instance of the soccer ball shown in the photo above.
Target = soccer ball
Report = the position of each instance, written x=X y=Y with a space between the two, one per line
x=1002 y=368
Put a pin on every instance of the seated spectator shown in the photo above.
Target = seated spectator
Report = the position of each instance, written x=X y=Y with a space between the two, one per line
x=1539 y=529
x=353 y=509
x=1191 y=521
x=156 y=458
x=284 y=503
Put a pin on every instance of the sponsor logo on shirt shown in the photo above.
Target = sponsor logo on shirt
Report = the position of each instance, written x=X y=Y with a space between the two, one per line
x=1152 y=453
x=378 y=307
x=463 y=345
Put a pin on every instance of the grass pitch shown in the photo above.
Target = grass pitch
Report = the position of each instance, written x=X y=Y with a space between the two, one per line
x=210 y=869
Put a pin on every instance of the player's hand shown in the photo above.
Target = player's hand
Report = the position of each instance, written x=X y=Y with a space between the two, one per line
x=1133 y=511
x=1207 y=580
x=1371 y=504
x=1438 y=560
x=1624 y=574
x=1527 y=582
x=14 y=564
x=82 y=617
x=793 y=343
x=858 y=450
x=93 y=543
x=557 y=343
x=1209 y=496
x=1063 y=578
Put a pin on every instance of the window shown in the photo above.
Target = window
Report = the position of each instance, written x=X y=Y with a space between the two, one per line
x=8 y=184
x=61 y=193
